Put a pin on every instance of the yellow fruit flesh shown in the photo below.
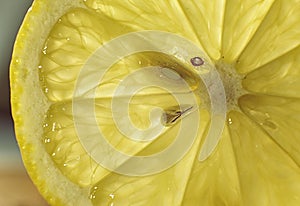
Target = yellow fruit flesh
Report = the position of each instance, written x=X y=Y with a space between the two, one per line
x=258 y=149
x=274 y=37
x=285 y=77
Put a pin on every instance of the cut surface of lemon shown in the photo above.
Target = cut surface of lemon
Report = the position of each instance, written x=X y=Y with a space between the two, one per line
x=253 y=45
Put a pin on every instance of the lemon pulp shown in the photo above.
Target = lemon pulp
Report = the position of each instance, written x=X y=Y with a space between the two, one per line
x=263 y=104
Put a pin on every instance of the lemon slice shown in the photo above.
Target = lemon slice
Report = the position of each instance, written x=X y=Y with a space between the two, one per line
x=59 y=111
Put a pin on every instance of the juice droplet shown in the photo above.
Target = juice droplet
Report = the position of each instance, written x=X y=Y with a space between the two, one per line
x=93 y=192
x=47 y=140
x=45 y=50
x=229 y=120
x=270 y=124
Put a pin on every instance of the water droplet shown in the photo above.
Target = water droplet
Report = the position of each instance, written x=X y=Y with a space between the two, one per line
x=40 y=66
x=47 y=140
x=269 y=124
x=72 y=162
x=55 y=125
x=58 y=149
x=197 y=61
x=45 y=50
x=93 y=192
x=112 y=196
x=46 y=90
x=140 y=62
x=229 y=120
x=263 y=118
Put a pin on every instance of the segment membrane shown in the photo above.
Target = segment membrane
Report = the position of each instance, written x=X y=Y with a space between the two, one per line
x=278 y=34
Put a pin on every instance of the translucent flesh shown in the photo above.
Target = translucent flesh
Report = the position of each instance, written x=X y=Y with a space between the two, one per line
x=278 y=117
x=215 y=181
x=241 y=20
x=277 y=35
x=267 y=174
x=280 y=77
x=257 y=160
x=165 y=188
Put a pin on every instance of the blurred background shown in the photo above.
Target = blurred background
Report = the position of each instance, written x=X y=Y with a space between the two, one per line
x=16 y=189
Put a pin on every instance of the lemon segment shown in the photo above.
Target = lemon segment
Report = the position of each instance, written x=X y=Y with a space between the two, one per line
x=255 y=151
x=165 y=66
x=64 y=146
x=147 y=15
x=166 y=187
x=279 y=77
x=206 y=20
x=72 y=40
x=209 y=181
x=75 y=36
x=277 y=35
x=241 y=20
x=279 y=117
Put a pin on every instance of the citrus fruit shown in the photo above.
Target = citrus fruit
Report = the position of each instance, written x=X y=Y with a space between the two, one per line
x=59 y=100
